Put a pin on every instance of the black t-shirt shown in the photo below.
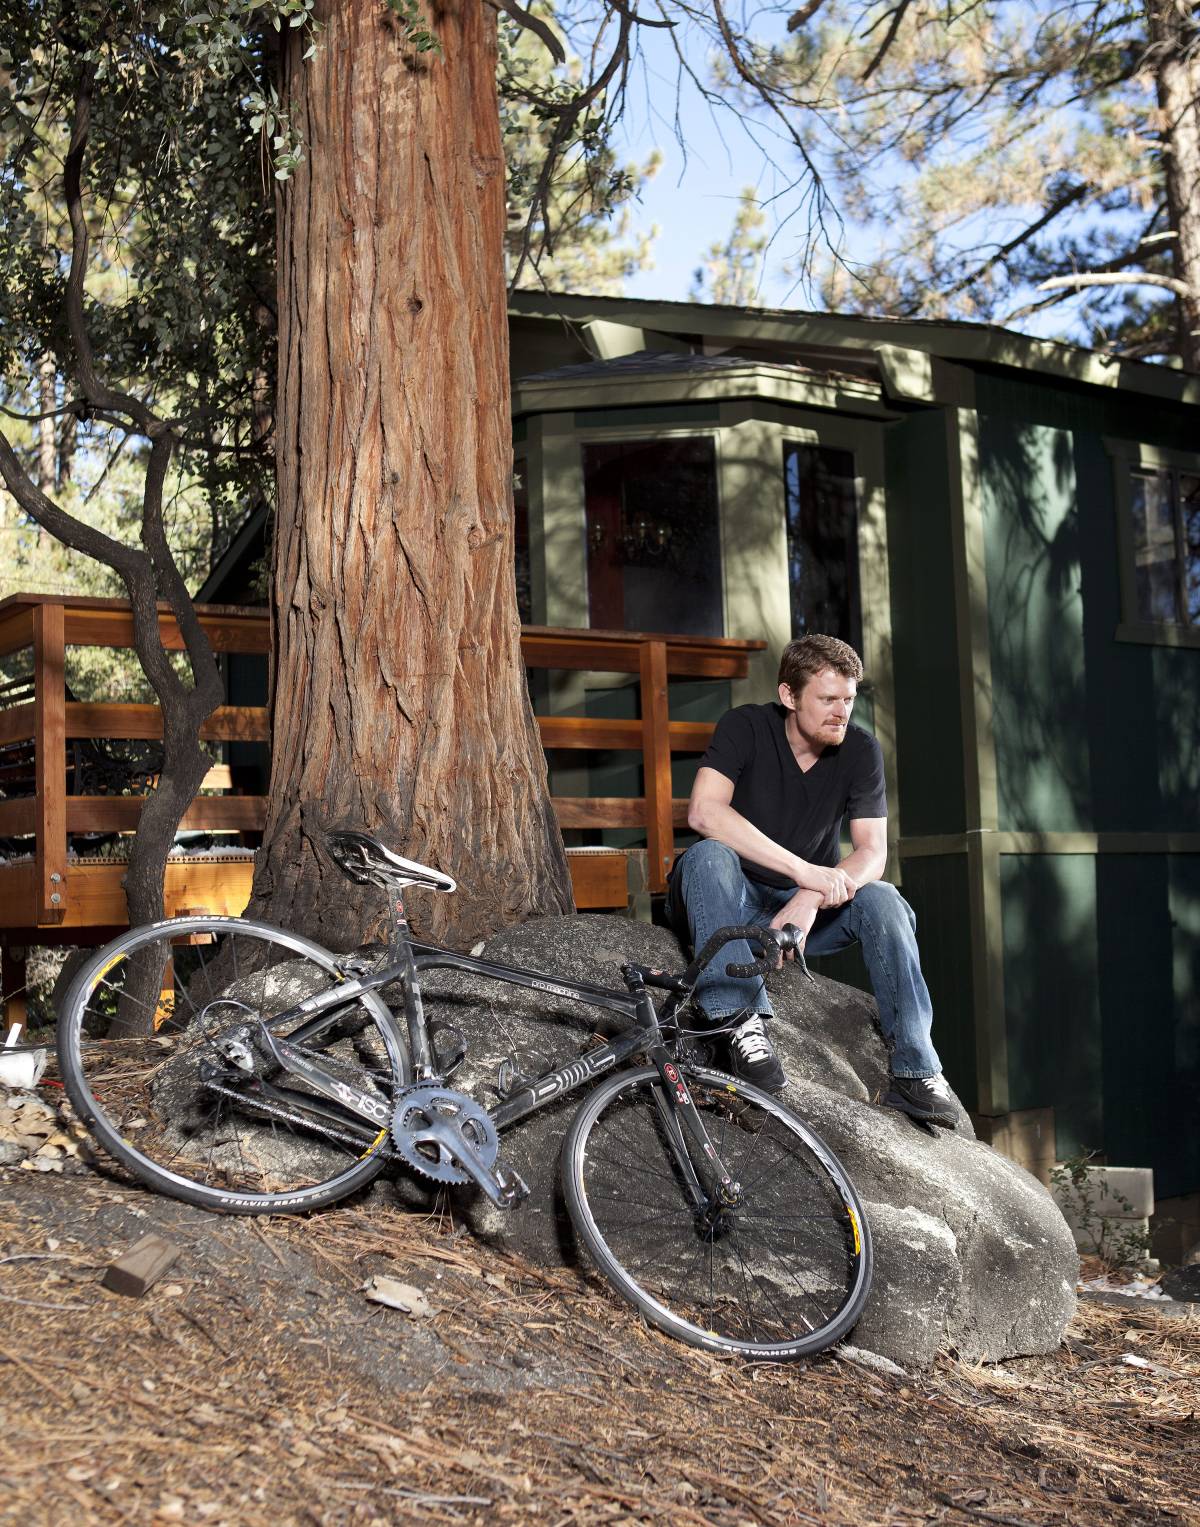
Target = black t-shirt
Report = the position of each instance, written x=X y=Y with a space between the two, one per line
x=800 y=811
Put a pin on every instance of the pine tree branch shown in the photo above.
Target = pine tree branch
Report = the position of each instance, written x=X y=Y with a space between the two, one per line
x=881 y=52
x=1115 y=278
x=528 y=22
x=567 y=113
x=1060 y=204
x=98 y=395
x=806 y=13
x=759 y=88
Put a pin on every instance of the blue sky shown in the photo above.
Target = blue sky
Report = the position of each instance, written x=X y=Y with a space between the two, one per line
x=693 y=199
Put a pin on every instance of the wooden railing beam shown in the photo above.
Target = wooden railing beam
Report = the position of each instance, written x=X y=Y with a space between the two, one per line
x=610 y=810
x=16 y=629
x=48 y=624
x=121 y=813
x=228 y=723
x=50 y=764
x=598 y=732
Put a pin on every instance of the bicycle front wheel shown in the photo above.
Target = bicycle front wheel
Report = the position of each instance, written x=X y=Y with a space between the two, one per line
x=148 y=1036
x=782 y=1274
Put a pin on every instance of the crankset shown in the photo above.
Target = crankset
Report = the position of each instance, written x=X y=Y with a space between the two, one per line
x=448 y=1137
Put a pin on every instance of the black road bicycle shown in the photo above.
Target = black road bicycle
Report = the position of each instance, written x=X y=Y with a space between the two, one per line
x=250 y=1071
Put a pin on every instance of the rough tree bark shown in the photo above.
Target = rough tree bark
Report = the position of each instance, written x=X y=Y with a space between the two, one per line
x=399 y=700
x=47 y=438
x=1176 y=63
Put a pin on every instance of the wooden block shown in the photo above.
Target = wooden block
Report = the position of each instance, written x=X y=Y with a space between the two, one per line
x=141 y=1266
x=598 y=880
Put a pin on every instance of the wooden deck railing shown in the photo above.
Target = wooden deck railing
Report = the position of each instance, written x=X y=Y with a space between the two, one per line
x=50 y=624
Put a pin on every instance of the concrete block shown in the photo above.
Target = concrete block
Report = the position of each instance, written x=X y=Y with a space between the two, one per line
x=1113 y=1192
x=1110 y=1210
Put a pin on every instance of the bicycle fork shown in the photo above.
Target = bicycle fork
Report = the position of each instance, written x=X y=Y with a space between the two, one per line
x=682 y=1123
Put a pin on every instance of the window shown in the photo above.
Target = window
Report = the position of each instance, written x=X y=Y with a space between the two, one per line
x=1165 y=522
x=822 y=541
x=653 y=538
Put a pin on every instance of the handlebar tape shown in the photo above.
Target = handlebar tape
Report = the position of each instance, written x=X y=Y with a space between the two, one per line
x=774 y=943
x=768 y=944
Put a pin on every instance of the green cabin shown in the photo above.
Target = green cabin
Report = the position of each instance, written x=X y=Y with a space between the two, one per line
x=1009 y=531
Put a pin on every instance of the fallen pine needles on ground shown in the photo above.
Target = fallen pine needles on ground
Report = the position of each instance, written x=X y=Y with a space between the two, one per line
x=255 y=1386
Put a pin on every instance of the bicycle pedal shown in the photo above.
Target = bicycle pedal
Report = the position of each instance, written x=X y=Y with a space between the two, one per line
x=513 y=1187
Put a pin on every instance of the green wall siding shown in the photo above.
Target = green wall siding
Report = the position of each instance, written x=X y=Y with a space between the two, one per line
x=1077 y=409
x=1148 y=934
x=1180 y=1170
x=1092 y=734
x=1035 y=614
x=936 y=889
x=1102 y=998
x=1051 y=994
x=929 y=757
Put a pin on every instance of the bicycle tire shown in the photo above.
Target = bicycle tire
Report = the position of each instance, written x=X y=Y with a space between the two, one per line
x=784 y=1275
x=170 y=1108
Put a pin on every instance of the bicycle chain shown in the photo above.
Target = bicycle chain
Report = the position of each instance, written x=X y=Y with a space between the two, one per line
x=273 y=1110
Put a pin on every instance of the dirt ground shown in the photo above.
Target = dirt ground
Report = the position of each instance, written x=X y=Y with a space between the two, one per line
x=255 y=1384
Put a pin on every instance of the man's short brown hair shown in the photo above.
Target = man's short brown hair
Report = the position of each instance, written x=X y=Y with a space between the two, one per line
x=809 y=655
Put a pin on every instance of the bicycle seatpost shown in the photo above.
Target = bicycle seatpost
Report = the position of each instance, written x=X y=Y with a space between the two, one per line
x=398 y=931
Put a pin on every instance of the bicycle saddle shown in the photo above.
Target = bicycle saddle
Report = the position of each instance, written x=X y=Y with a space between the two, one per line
x=366 y=860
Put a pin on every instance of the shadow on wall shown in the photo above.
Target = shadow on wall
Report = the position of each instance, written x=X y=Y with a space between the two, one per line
x=1036 y=615
x=1102 y=953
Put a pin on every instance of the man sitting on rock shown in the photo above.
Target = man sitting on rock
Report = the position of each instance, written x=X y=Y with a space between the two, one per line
x=768 y=801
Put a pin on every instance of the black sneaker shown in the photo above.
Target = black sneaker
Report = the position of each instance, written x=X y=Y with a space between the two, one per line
x=925 y=1098
x=753 y=1057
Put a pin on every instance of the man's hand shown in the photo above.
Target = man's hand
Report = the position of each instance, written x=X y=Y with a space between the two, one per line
x=801 y=912
x=834 y=886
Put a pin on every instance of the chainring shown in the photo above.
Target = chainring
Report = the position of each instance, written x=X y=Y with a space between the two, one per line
x=426 y=1104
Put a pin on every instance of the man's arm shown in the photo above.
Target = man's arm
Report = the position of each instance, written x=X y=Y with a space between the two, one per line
x=711 y=814
x=866 y=862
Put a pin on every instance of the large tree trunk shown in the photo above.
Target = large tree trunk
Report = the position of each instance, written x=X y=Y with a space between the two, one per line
x=1177 y=73
x=398 y=698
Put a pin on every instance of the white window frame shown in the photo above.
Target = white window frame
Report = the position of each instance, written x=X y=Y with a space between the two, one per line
x=1130 y=457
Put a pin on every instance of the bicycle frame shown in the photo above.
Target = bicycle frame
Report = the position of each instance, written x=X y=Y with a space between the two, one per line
x=409 y=957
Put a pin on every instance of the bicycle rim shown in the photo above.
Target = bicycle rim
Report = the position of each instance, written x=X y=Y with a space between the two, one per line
x=782 y=1275
x=138 y=1037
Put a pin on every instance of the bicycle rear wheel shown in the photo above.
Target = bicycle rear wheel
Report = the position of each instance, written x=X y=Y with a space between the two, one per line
x=782 y=1275
x=140 y=1032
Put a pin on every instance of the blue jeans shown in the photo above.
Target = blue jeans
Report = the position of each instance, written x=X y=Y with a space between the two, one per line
x=708 y=891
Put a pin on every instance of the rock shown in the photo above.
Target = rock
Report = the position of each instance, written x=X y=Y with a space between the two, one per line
x=1183 y=1283
x=971 y=1252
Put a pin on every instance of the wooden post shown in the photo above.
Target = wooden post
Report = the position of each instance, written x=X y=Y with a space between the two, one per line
x=12 y=980
x=50 y=712
x=656 y=753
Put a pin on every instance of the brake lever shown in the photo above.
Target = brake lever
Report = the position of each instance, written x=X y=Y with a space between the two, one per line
x=790 y=940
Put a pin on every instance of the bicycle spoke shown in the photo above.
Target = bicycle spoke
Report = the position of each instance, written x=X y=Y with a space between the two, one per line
x=772 y=1272
x=222 y=1122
